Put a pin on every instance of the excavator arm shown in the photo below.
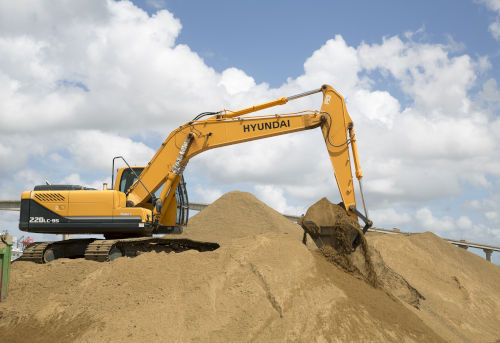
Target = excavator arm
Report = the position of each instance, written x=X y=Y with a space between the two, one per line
x=228 y=127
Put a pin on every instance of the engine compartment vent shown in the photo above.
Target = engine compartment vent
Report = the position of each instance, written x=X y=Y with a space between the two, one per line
x=49 y=197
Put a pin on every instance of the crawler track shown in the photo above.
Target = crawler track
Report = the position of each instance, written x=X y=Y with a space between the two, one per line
x=103 y=250
x=42 y=252
x=107 y=250
x=34 y=252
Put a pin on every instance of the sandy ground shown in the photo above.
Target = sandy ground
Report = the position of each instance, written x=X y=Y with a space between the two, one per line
x=461 y=289
x=262 y=284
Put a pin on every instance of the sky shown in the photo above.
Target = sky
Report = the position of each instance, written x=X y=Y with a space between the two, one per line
x=83 y=81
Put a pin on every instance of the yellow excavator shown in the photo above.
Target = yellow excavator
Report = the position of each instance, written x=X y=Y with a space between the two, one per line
x=131 y=213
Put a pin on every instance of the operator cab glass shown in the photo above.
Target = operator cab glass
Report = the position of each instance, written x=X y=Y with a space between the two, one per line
x=128 y=178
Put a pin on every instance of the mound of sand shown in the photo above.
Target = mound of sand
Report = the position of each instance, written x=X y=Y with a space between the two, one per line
x=261 y=288
x=460 y=291
x=236 y=215
x=262 y=284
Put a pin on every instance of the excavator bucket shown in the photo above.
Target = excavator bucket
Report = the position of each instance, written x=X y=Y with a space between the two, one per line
x=330 y=225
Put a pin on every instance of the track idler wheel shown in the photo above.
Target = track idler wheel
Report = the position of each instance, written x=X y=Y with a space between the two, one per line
x=115 y=253
x=50 y=255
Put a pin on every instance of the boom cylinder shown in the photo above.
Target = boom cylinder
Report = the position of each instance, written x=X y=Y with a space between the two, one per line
x=173 y=178
x=279 y=101
x=293 y=97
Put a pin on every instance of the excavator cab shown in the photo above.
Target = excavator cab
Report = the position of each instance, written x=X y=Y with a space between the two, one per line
x=127 y=176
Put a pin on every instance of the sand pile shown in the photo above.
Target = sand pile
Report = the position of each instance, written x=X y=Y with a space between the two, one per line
x=236 y=215
x=262 y=284
x=263 y=288
x=460 y=291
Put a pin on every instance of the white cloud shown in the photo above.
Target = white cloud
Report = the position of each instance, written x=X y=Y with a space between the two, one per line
x=157 y=3
x=72 y=179
x=489 y=207
x=492 y=4
x=22 y=180
x=385 y=185
x=390 y=217
x=492 y=216
x=490 y=95
x=206 y=194
x=127 y=61
x=335 y=62
x=464 y=223
x=55 y=157
x=436 y=82
x=95 y=150
x=462 y=227
x=236 y=81
x=429 y=222
x=376 y=106
x=494 y=27
x=274 y=197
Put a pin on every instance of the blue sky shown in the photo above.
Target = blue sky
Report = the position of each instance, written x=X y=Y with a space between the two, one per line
x=244 y=34
x=84 y=81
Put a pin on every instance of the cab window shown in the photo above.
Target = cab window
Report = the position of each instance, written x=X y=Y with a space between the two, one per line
x=128 y=178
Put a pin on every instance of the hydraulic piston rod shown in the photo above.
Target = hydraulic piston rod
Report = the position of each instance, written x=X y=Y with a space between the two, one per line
x=276 y=102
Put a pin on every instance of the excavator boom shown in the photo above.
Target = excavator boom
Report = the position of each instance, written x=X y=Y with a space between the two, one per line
x=227 y=128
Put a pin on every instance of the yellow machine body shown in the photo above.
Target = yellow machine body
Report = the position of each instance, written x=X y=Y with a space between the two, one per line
x=82 y=211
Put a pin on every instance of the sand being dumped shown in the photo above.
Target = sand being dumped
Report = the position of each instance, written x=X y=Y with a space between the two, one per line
x=262 y=284
x=343 y=236
x=346 y=246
